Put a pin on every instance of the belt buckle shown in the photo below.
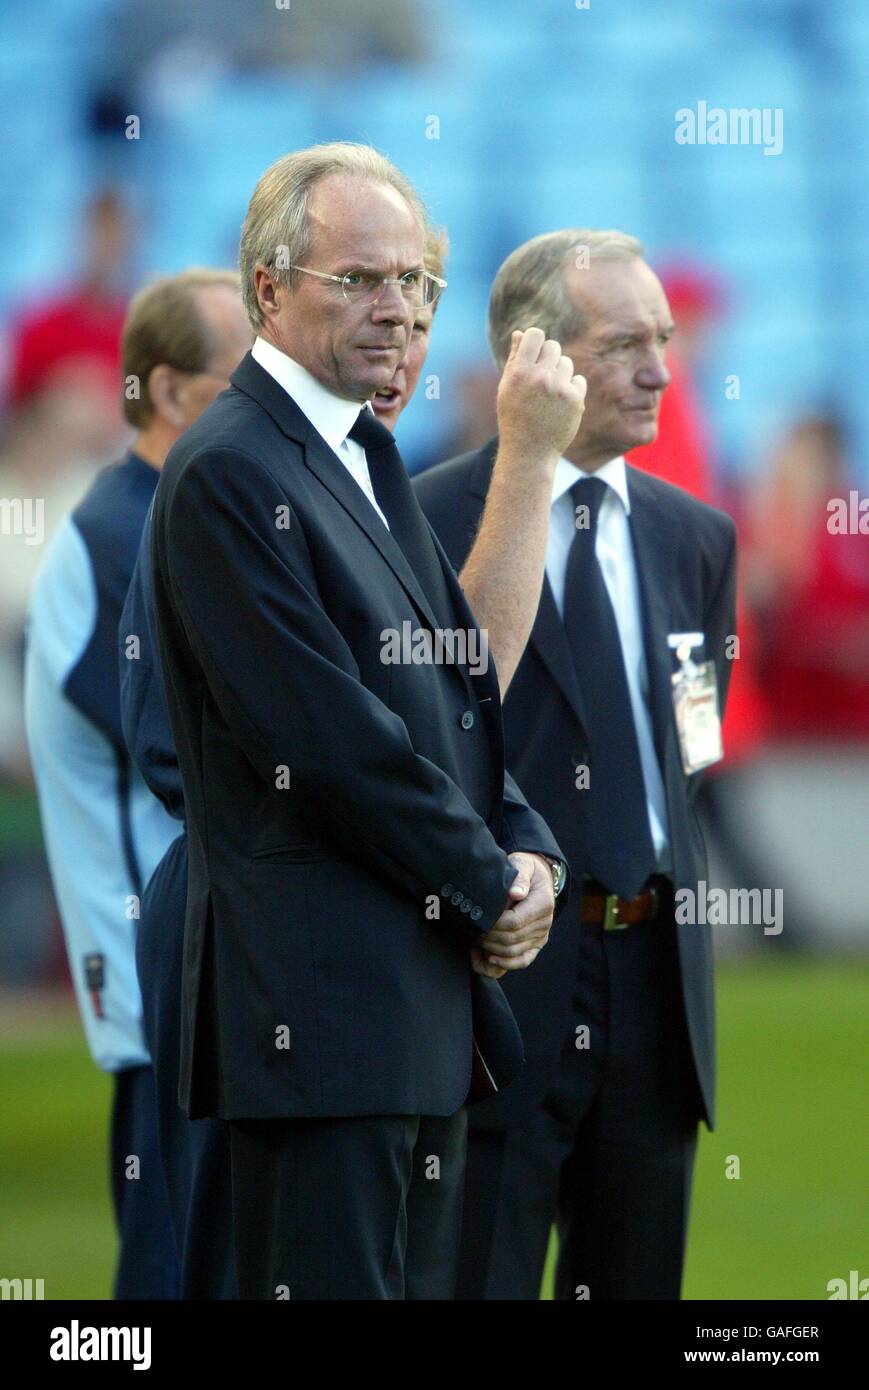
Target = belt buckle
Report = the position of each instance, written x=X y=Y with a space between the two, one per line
x=611 y=912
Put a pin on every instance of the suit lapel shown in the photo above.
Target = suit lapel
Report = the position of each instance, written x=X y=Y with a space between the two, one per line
x=257 y=383
x=485 y=685
x=550 y=642
x=335 y=478
x=655 y=550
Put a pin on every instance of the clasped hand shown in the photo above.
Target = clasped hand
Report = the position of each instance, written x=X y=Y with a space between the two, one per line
x=522 y=930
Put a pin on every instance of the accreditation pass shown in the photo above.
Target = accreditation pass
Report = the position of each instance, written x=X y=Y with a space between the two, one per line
x=698 y=722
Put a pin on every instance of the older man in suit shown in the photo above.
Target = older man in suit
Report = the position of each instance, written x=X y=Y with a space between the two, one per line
x=599 y=1133
x=359 y=862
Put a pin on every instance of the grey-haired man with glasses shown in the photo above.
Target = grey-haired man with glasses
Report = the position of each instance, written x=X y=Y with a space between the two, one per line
x=361 y=867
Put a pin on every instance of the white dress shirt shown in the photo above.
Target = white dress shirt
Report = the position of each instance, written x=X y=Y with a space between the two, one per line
x=332 y=416
x=615 y=555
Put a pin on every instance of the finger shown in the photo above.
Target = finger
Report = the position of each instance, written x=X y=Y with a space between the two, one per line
x=539 y=894
x=537 y=903
x=520 y=886
x=482 y=966
x=508 y=936
x=580 y=384
x=496 y=942
x=515 y=340
x=529 y=348
x=521 y=963
x=510 y=949
x=508 y=927
x=550 y=353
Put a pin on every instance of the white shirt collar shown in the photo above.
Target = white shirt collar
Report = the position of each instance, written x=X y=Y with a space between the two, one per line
x=613 y=473
x=332 y=416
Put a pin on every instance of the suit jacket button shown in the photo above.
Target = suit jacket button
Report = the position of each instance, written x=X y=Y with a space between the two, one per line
x=465 y=905
x=476 y=913
x=457 y=898
x=467 y=720
x=447 y=890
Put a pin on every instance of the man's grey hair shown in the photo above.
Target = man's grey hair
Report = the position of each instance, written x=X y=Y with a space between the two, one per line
x=276 y=230
x=529 y=289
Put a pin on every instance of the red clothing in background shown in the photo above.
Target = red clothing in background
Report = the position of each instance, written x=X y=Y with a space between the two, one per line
x=78 y=325
x=817 y=654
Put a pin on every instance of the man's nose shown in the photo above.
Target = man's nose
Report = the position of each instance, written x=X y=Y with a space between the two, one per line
x=391 y=306
x=654 y=374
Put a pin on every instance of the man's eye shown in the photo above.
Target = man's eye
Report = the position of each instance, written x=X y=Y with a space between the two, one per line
x=355 y=277
x=411 y=277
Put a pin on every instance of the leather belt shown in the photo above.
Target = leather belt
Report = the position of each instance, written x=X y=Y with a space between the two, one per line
x=615 y=913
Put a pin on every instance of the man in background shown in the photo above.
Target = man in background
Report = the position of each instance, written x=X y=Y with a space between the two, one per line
x=104 y=830
x=599 y=1132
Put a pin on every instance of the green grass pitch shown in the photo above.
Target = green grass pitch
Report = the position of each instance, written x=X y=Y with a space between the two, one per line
x=791 y=1104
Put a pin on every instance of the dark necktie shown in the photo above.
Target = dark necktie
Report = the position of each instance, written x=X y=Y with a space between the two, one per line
x=620 y=852
x=407 y=524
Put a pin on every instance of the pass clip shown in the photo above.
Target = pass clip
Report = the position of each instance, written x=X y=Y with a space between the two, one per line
x=695 y=704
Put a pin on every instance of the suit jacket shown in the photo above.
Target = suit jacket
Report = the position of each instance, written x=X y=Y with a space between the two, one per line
x=349 y=820
x=685 y=553
x=144 y=712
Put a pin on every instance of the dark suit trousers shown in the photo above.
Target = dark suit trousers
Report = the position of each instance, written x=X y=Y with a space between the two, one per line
x=194 y=1153
x=609 y=1154
x=147 y=1259
x=366 y=1207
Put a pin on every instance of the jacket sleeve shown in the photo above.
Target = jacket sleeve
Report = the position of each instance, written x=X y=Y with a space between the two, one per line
x=289 y=689
x=721 y=615
x=524 y=829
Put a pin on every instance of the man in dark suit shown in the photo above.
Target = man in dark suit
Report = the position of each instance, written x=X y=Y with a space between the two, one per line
x=599 y=1132
x=360 y=864
x=195 y=1153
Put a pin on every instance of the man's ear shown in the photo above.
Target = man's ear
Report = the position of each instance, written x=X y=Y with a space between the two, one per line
x=268 y=291
x=163 y=386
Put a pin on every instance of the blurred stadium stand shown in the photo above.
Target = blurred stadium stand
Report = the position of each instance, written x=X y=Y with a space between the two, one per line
x=549 y=115
x=544 y=115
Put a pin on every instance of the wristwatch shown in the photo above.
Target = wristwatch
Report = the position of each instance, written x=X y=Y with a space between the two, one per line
x=559 y=873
